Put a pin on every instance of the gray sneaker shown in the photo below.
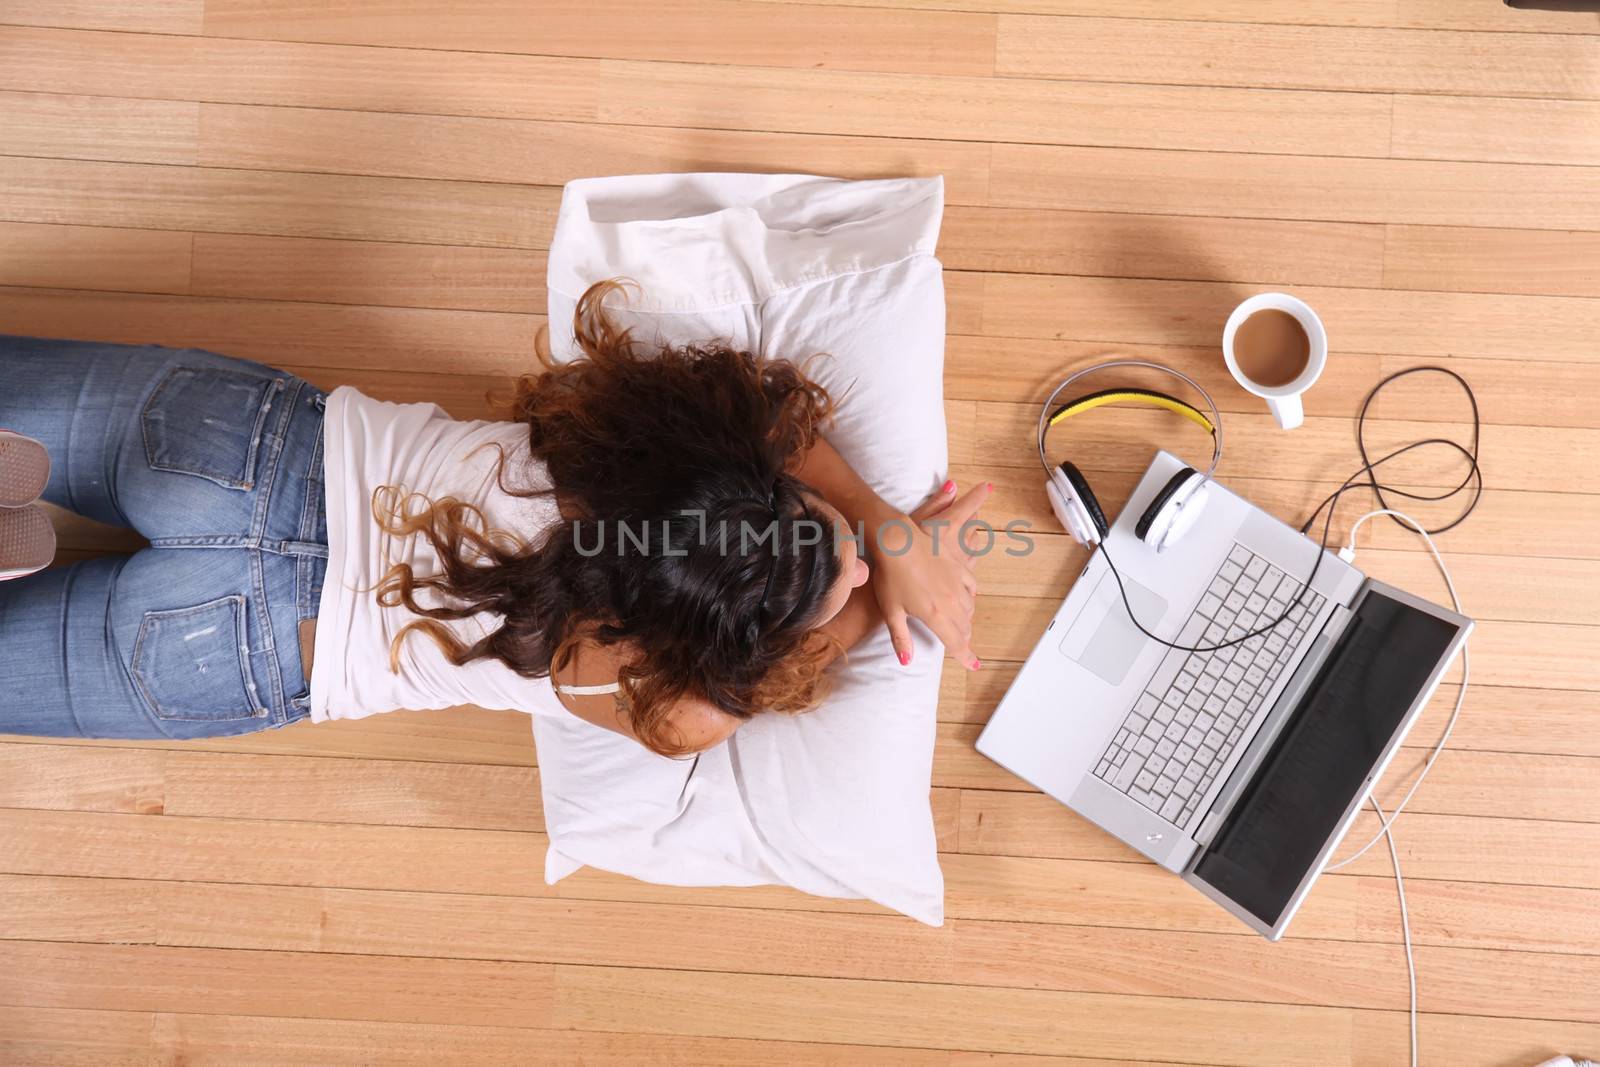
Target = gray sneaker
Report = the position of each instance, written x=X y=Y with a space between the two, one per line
x=27 y=541
x=24 y=469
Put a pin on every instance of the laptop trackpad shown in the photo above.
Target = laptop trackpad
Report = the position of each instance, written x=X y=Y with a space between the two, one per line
x=1104 y=639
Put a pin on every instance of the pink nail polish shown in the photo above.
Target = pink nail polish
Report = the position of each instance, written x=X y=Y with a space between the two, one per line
x=977 y=664
x=904 y=657
x=948 y=487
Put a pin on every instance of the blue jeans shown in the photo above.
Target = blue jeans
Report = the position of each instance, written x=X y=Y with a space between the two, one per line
x=218 y=463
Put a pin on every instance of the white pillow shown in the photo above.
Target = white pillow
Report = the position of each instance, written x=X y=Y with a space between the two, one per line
x=835 y=802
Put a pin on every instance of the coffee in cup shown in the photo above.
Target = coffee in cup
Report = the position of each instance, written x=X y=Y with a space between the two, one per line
x=1276 y=347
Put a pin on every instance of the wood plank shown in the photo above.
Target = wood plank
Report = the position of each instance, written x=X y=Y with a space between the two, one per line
x=1486 y=260
x=116 y=1037
x=141 y=978
x=85 y=1037
x=304 y=205
x=1478 y=915
x=1126 y=894
x=90 y=910
x=465 y=735
x=1298 y=57
x=130 y=781
x=529 y=930
x=1510 y=652
x=148 y=16
x=1413 y=14
x=1522 y=390
x=1509 y=719
x=1442 y=847
x=1341 y=907
x=1403 y=322
x=328 y=76
x=1491 y=1040
x=966 y=952
x=389 y=792
x=1159 y=246
x=1488 y=15
x=1515 y=590
x=92 y=257
x=102 y=845
x=1226 y=967
x=88 y=1038
x=1495 y=785
x=298 y=335
x=987 y=109
x=1497 y=129
x=252 y=267
x=554 y=153
x=1031 y=1021
x=706 y=31
x=100 y=127
x=1264 y=186
x=685 y=95
x=225 y=1039
x=148 y=978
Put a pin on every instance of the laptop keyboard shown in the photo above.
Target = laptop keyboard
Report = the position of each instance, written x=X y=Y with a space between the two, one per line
x=1199 y=706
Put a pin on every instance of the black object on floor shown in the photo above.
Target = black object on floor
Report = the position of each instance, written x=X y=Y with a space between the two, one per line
x=1556 y=5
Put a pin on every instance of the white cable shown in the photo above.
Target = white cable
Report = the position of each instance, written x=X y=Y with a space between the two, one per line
x=1386 y=822
x=1405 y=920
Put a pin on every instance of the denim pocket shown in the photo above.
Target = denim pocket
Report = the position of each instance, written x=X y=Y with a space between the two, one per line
x=207 y=421
x=191 y=664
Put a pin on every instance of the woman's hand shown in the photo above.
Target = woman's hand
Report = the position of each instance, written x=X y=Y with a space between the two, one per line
x=933 y=577
x=938 y=588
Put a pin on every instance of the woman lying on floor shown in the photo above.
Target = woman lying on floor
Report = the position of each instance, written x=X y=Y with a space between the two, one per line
x=575 y=544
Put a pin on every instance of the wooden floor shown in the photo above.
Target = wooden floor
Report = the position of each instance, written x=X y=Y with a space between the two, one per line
x=361 y=190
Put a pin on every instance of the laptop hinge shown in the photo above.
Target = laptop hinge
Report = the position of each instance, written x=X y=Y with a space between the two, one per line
x=1282 y=713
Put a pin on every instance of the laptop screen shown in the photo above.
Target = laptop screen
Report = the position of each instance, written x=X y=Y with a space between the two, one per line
x=1320 y=761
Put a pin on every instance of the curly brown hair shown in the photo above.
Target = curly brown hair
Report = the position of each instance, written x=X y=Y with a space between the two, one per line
x=682 y=439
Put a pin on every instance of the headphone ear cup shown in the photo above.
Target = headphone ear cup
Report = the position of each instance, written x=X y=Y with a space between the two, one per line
x=1075 y=505
x=1092 y=515
x=1174 y=510
x=1091 y=504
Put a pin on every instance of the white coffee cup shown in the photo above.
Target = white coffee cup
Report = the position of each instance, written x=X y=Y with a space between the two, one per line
x=1283 y=400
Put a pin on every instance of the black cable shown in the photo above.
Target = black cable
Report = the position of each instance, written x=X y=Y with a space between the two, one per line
x=1474 y=477
x=1369 y=467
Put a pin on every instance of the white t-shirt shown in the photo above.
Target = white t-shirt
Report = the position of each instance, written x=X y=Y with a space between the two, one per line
x=371 y=443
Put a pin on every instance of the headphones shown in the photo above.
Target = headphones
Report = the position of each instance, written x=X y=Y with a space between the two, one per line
x=1174 y=510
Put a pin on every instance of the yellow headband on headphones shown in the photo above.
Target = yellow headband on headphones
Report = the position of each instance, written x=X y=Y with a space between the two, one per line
x=1137 y=396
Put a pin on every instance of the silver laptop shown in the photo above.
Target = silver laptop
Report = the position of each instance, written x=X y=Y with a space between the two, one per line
x=1241 y=769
